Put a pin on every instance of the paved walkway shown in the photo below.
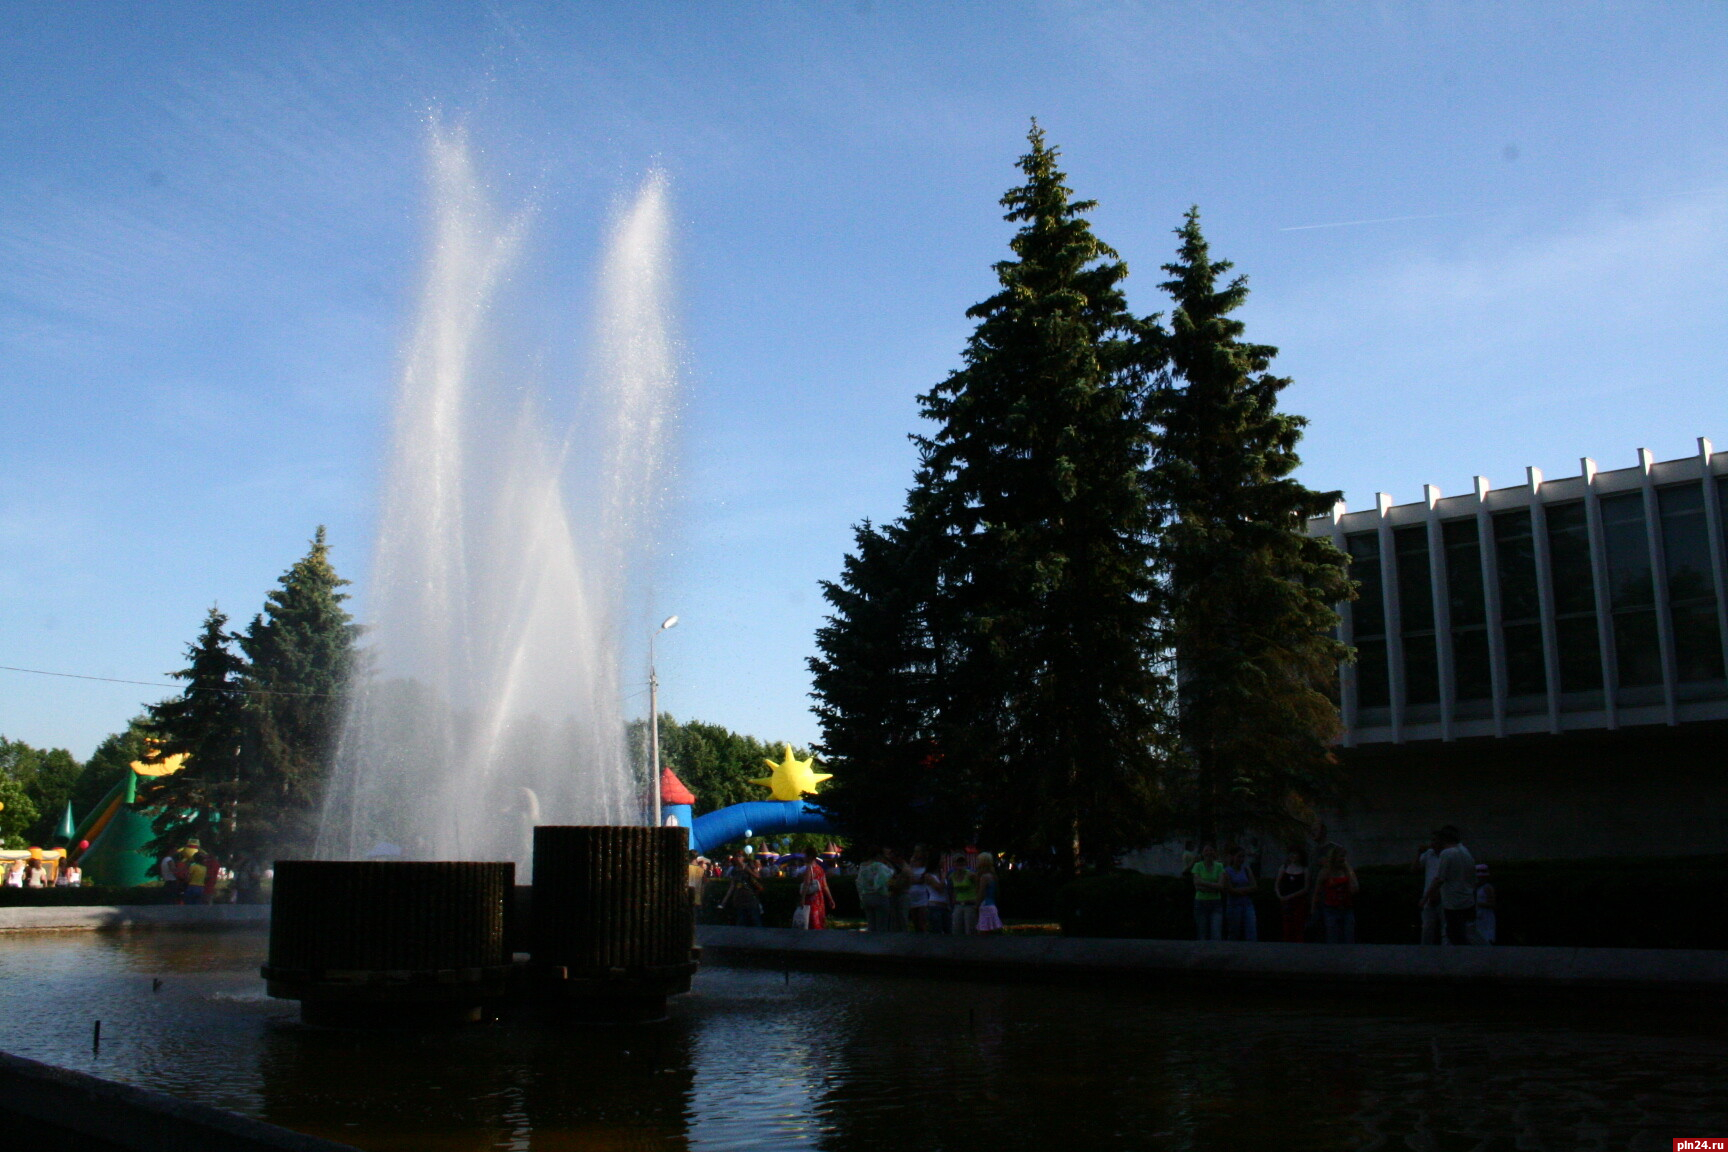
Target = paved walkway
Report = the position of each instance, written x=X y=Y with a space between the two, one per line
x=113 y=918
x=1066 y=958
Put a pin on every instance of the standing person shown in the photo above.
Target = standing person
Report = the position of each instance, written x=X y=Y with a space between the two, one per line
x=899 y=893
x=744 y=896
x=1454 y=885
x=1428 y=863
x=813 y=890
x=1320 y=847
x=938 y=911
x=169 y=869
x=35 y=876
x=1335 y=896
x=196 y=873
x=1484 y=929
x=183 y=868
x=1240 y=884
x=963 y=885
x=15 y=874
x=918 y=894
x=696 y=876
x=989 y=916
x=1208 y=876
x=69 y=875
x=1291 y=888
x=873 y=892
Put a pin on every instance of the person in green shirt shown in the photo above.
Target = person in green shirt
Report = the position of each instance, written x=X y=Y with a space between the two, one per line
x=1208 y=876
x=964 y=884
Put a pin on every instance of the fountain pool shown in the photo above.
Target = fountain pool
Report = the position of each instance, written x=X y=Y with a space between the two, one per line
x=757 y=1059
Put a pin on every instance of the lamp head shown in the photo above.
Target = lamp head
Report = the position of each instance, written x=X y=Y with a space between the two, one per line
x=669 y=622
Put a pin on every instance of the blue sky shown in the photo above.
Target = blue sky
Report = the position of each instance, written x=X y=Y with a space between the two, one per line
x=210 y=222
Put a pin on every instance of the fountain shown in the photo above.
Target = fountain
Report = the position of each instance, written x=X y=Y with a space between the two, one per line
x=490 y=700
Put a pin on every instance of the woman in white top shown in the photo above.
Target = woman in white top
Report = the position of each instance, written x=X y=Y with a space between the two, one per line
x=918 y=894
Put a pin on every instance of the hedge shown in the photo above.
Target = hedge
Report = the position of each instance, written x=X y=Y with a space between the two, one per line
x=1604 y=903
x=81 y=897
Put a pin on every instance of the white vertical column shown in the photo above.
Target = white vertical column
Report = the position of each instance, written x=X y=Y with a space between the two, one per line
x=1713 y=525
x=1604 y=605
x=1491 y=604
x=1438 y=586
x=1347 y=692
x=1394 y=617
x=1545 y=595
x=1658 y=581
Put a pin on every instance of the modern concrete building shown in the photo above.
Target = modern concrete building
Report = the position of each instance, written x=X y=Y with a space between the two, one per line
x=1542 y=665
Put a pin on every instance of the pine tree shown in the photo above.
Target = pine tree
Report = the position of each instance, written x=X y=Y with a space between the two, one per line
x=1045 y=615
x=875 y=684
x=206 y=723
x=299 y=651
x=1251 y=594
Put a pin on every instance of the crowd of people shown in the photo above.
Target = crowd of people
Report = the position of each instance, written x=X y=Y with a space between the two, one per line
x=955 y=892
x=1316 y=889
x=950 y=893
x=190 y=874
x=35 y=873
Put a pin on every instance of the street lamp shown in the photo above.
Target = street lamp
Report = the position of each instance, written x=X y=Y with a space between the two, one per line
x=654 y=718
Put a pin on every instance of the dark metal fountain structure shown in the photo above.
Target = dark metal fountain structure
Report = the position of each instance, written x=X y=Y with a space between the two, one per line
x=609 y=919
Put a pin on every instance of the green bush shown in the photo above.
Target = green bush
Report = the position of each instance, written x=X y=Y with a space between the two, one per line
x=1604 y=903
x=80 y=897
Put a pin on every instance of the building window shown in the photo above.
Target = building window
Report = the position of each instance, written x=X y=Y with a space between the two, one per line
x=1520 y=611
x=1368 y=621
x=1574 y=598
x=1691 y=588
x=1416 y=615
x=1468 y=608
x=1631 y=591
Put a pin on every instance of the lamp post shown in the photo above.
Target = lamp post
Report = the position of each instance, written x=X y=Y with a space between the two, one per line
x=654 y=718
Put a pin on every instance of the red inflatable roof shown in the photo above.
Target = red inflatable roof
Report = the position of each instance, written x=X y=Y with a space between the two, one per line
x=672 y=790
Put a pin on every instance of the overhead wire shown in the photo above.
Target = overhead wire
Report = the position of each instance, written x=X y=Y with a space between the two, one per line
x=154 y=684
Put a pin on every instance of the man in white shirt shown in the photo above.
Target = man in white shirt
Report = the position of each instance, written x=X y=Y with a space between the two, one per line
x=1428 y=863
x=1454 y=885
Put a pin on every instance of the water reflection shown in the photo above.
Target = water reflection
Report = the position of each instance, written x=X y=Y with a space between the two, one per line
x=760 y=1060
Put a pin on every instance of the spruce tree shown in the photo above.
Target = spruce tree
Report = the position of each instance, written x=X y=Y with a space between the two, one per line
x=206 y=723
x=876 y=680
x=1251 y=594
x=299 y=651
x=1053 y=683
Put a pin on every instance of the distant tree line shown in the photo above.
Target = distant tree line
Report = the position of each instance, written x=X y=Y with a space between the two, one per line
x=1099 y=619
x=714 y=762
x=36 y=784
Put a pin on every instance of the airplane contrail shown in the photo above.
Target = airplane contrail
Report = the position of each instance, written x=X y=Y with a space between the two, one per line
x=1379 y=220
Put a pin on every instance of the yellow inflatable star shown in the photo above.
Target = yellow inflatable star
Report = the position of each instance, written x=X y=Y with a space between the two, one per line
x=792 y=777
x=164 y=767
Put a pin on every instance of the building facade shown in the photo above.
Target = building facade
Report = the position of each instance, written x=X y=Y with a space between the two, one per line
x=1578 y=623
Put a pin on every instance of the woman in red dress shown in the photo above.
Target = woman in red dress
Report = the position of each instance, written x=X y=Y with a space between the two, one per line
x=814 y=890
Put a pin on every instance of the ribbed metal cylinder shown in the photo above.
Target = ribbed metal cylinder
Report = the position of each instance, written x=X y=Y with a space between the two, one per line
x=388 y=915
x=611 y=900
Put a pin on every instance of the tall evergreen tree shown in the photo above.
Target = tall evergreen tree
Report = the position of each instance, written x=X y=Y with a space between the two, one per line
x=1251 y=593
x=876 y=681
x=1041 y=621
x=206 y=723
x=298 y=652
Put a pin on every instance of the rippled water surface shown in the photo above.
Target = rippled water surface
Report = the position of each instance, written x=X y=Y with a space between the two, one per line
x=758 y=1060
